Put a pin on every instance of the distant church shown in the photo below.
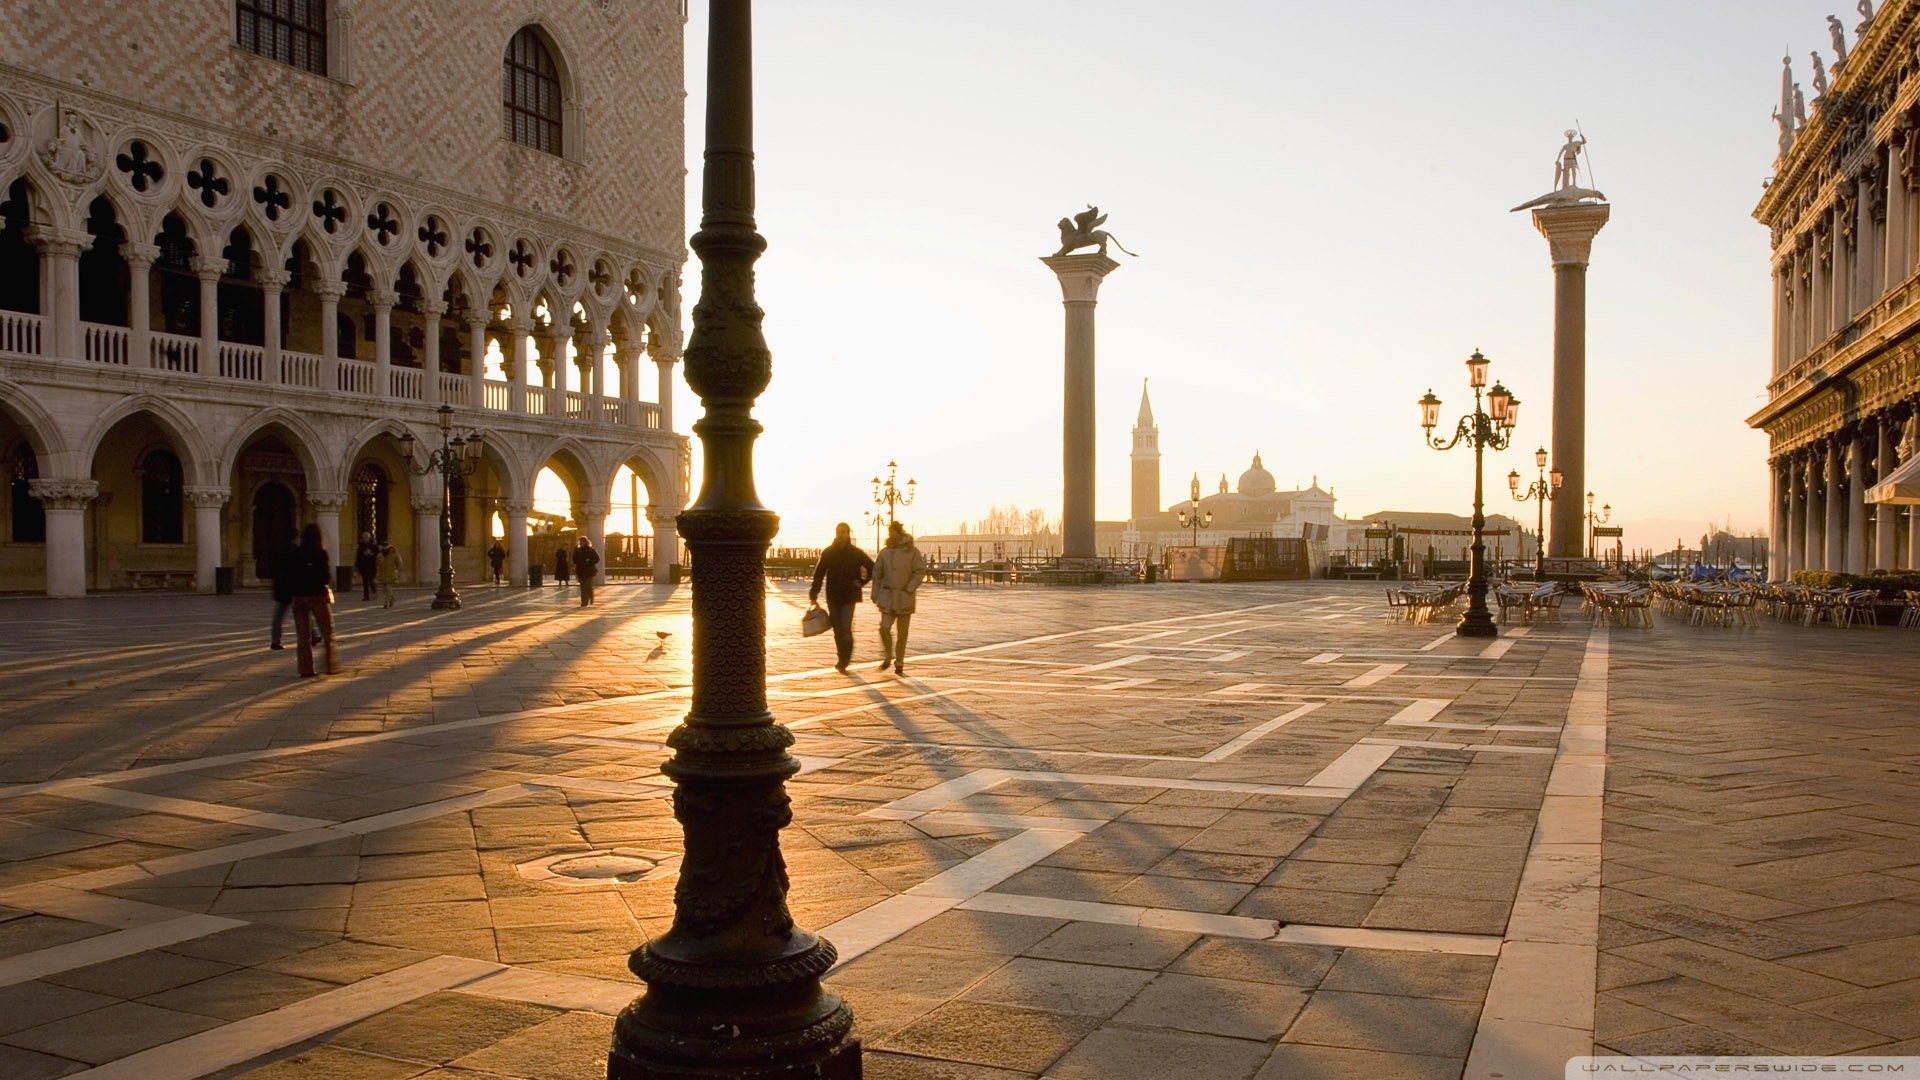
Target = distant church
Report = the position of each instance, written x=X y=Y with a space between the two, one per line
x=1254 y=507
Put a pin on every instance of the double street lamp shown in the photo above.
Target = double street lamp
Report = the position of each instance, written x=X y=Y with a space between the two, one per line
x=457 y=457
x=1539 y=491
x=1195 y=520
x=1594 y=518
x=1488 y=427
x=889 y=494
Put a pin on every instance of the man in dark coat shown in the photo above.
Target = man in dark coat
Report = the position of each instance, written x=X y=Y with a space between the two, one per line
x=282 y=568
x=844 y=568
x=366 y=561
x=497 y=558
x=586 y=564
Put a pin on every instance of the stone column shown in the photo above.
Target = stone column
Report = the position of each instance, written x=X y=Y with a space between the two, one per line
x=325 y=506
x=1779 y=518
x=666 y=541
x=272 y=283
x=556 y=365
x=591 y=519
x=1080 y=277
x=207 y=502
x=477 y=323
x=330 y=291
x=1809 y=532
x=594 y=358
x=1570 y=231
x=626 y=360
x=140 y=259
x=1866 y=258
x=1895 y=258
x=1834 y=500
x=522 y=328
x=430 y=312
x=1782 y=313
x=663 y=359
x=1885 y=515
x=382 y=301
x=1856 y=527
x=1802 y=306
x=60 y=287
x=65 y=503
x=514 y=513
x=208 y=269
x=426 y=532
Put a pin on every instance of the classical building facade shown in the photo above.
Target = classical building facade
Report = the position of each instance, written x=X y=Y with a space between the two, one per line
x=246 y=245
x=1841 y=410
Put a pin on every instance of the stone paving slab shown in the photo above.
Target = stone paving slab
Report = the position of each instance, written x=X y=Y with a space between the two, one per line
x=1221 y=831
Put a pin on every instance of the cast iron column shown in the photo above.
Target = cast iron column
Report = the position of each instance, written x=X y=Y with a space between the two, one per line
x=733 y=989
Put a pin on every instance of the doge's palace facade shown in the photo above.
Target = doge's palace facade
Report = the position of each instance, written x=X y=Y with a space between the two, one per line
x=245 y=244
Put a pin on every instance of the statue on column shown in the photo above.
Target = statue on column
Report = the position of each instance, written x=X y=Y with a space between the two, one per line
x=1083 y=230
x=1566 y=172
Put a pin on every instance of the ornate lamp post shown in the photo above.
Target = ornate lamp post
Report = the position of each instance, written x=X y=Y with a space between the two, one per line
x=458 y=456
x=733 y=989
x=1539 y=491
x=1195 y=520
x=1485 y=428
x=887 y=494
x=1600 y=518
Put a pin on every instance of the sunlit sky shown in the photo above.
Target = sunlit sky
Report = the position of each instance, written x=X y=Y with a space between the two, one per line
x=1319 y=194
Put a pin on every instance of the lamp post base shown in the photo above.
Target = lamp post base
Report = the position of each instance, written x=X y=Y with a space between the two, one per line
x=1477 y=622
x=445 y=603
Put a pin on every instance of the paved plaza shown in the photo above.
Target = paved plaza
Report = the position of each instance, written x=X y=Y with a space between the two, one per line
x=1220 y=831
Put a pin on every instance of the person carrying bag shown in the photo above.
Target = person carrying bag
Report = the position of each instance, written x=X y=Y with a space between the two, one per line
x=844 y=568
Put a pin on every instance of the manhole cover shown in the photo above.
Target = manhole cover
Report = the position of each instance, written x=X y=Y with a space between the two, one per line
x=606 y=866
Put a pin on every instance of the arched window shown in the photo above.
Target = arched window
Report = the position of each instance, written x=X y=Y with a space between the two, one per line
x=530 y=90
x=370 y=485
x=290 y=31
x=29 y=517
x=19 y=262
x=161 y=517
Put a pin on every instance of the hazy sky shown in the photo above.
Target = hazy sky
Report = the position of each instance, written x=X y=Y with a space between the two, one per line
x=1319 y=194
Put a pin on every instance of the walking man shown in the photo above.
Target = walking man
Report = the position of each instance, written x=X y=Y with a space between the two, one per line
x=844 y=568
x=560 y=564
x=311 y=583
x=283 y=571
x=896 y=579
x=586 y=563
x=366 y=563
x=386 y=568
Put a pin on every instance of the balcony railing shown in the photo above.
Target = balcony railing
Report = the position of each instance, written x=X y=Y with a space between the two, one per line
x=26 y=334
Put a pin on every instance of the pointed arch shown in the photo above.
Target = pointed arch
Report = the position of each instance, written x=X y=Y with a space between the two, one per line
x=40 y=429
x=291 y=428
x=182 y=430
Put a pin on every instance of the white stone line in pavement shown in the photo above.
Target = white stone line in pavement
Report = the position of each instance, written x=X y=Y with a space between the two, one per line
x=1090 y=669
x=1352 y=768
x=1360 y=937
x=1439 y=641
x=243 y=1040
x=1373 y=675
x=1424 y=711
x=189 y=808
x=556 y=990
x=1255 y=734
x=1323 y=658
x=66 y=903
x=1539 y=1011
x=110 y=946
x=1478 y=748
x=1501 y=645
x=803 y=721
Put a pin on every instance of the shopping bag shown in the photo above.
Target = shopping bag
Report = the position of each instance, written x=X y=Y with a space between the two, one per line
x=815 y=621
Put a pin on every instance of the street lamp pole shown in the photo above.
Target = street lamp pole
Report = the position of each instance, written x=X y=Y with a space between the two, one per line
x=1539 y=491
x=457 y=457
x=733 y=989
x=1196 y=519
x=889 y=495
x=1593 y=519
x=1485 y=428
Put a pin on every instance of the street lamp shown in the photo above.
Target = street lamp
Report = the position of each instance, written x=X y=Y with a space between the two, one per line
x=1606 y=512
x=457 y=457
x=1485 y=428
x=886 y=493
x=1196 y=520
x=733 y=988
x=1539 y=491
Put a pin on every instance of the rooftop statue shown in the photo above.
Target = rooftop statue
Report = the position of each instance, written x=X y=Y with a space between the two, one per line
x=1839 y=34
x=1865 y=9
x=1566 y=178
x=1819 y=78
x=1083 y=230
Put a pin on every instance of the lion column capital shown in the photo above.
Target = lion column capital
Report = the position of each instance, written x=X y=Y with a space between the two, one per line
x=1080 y=275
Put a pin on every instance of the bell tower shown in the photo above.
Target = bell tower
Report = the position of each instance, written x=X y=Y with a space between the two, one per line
x=1146 y=461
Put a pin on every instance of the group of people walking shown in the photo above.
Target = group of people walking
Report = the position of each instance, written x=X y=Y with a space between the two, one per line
x=303 y=584
x=895 y=575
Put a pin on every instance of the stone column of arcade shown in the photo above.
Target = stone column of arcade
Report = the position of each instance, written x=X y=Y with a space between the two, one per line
x=514 y=513
x=325 y=507
x=426 y=531
x=1080 y=277
x=207 y=502
x=666 y=542
x=65 y=502
x=733 y=989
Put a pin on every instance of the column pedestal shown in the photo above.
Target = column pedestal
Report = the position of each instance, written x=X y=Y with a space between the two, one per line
x=1570 y=230
x=65 y=503
x=1080 y=277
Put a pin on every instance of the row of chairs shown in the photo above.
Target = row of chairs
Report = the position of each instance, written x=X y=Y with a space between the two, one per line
x=1703 y=604
x=1541 y=602
x=1419 y=603
x=1628 y=604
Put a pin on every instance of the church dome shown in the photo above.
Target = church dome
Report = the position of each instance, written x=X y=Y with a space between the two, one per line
x=1257 y=480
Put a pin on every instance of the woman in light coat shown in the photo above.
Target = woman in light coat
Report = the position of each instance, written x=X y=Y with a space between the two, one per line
x=897 y=571
x=386 y=570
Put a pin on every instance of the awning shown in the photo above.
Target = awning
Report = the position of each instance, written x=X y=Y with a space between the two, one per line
x=1902 y=487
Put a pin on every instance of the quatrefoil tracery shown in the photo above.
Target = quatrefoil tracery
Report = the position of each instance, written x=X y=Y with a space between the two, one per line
x=329 y=210
x=209 y=183
x=138 y=164
x=272 y=197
